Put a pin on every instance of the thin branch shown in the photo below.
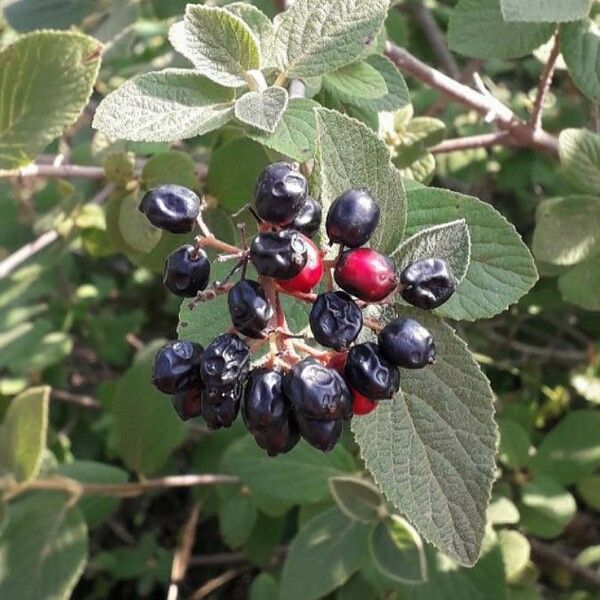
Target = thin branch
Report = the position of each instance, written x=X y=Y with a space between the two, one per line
x=486 y=140
x=79 y=400
x=552 y=557
x=214 y=584
x=544 y=85
x=491 y=108
x=230 y=558
x=436 y=38
x=52 y=170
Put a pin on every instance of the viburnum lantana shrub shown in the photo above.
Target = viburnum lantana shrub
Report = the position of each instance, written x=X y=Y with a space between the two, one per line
x=431 y=440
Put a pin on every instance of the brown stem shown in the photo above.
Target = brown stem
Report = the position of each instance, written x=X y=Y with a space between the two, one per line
x=60 y=171
x=544 y=85
x=211 y=241
x=304 y=297
x=79 y=400
x=485 y=104
x=486 y=140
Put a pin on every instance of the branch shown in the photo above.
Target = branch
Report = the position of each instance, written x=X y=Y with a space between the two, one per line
x=435 y=37
x=504 y=118
x=553 y=557
x=544 y=85
x=64 y=171
x=486 y=140
x=79 y=400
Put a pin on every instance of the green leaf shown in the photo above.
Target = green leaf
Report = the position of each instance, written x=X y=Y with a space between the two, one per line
x=580 y=285
x=502 y=511
x=119 y=167
x=23 y=433
x=514 y=444
x=397 y=551
x=501 y=268
x=350 y=155
x=170 y=167
x=358 y=79
x=450 y=242
x=263 y=539
x=312 y=39
x=164 y=106
x=233 y=171
x=357 y=498
x=570 y=450
x=237 y=516
x=299 y=477
x=580 y=158
x=27 y=15
x=135 y=228
x=259 y=24
x=264 y=587
x=415 y=138
x=477 y=29
x=431 y=450
x=145 y=427
x=567 y=230
x=546 y=507
x=262 y=110
x=219 y=44
x=515 y=553
x=546 y=11
x=49 y=75
x=95 y=509
x=43 y=548
x=580 y=47
x=589 y=490
x=296 y=134
x=331 y=548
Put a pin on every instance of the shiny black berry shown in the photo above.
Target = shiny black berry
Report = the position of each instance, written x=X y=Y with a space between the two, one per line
x=281 y=255
x=322 y=435
x=188 y=403
x=249 y=308
x=279 y=193
x=267 y=412
x=352 y=218
x=170 y=207
x=335 y=320
x=317 y=392
x=187 y=271
x=406 y=343
x=427 y=283
x=220 y=408
x=177 y=366
x=224 y=364
x=308 y=220
x=370 y=373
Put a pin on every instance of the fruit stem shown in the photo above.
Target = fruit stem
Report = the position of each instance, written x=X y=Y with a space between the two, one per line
x=210 y=241
x=303 y=347
x=304 y=297
x=373 y=325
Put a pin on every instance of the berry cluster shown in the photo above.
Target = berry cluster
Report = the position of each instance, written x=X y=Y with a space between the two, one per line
x=296 y=390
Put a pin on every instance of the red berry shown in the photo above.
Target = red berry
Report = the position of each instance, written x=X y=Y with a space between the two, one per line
x=311 y=273
x=362 y=406
x=337 y=361
x=366 y=274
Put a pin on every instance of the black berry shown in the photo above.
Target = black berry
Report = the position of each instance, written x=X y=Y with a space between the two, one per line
x=322 y=435
x=308 y=220
x=366 y=274
x=280 y=193
x=188 y=403
x=171 y=207
x=427 y=283
x=187 y=271
x=267 y=412
x=220 y=409
x=176 y=366
x=335 y=320
x=281 y=255
x=370 y=373
x=224 y=364
x=249 y=308
x=406 y=343
x=352 y=218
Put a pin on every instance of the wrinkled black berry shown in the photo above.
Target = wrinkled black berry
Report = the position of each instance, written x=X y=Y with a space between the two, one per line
x=188 y=403
x=352 y=218
x=176 y=366
x=370 y=373
x=322 y=435
x=220 y=409
x=267 y=412
x=187 y=271
x=249 y=308
x=280 y=193
x=171 y=207
x=335 y=320
x=224 y=364
x=308 y=220
x=406 y=343
x=427 y=283
x=281 y=255
x=317 y=392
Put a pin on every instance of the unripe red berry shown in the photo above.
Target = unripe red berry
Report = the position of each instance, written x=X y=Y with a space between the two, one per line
x=311 y=274
x=362 y=406
x=366 y=274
